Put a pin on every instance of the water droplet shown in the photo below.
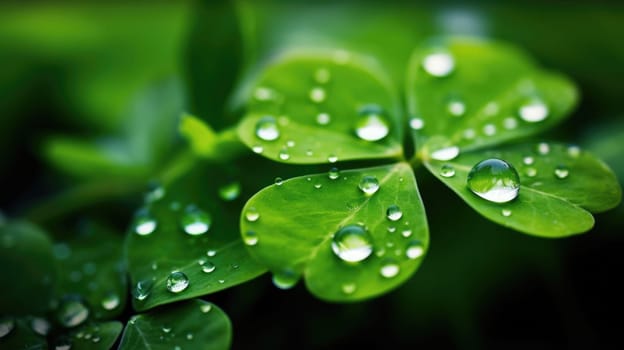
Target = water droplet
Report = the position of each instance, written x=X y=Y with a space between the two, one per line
x=166 y=329
x=6 y=326
x=543 y=148
x=283 y=154
x=154 y=265
x=250 y=238
x=394 y=213
x=389 y=269
x=195 y=221
x=533 y=111
x=446 y=153
x=333 y=173
x=318 y=185
x=456 y=107
x=562 y=172
x=257 y=149
x=72 y=312
x=406 y=233
x=309 y=153
x=189 y=336
x=352 y=243
x=323 y=118
x=369 y=184
x=416 y=123
x=154 y=192
x=267 y=129
x=438 y=64
x=332 y=158
x=39 y=325
x=211 y=252
x=142 y=289
x=494 y=180
x=372 y=125
x=96 y=339
x=285 y=279
x=279 y=181
x=62 y=344
x=530 y=172
x=110 y=301
x=391 y=229
x=252 y=214
x=506 y=212
x=230 y=191
x=414 y=249
x=574 y=151
x=469 y=134
x=144 y=224
x=348 y=288
x=322 y=75
x=317 y=94
x=447 y=170
x=290 y=143
x=221 y=281
x=491 y=109
x=489 y=129
x=205 y=308
x=510 y=123
x=177 y=281
x=208 y=267
x=264 y=94
x=528 y=160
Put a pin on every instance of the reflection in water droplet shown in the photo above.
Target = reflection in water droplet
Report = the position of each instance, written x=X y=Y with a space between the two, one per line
x=72 y=312
x=333 y=173
x=250 y=238
x=352 y=243
x=562 y=172
x=438 y=64
x=494 y=180
x=369 y=184
x=372 y=124
x=144 y=223
x=267 y=129
x=416 y=123
x=389 y=269
x=348 y=288
x=177 y=281
x=110 y=301
x=322 y=75
x=252 y=214
x=317 y=95
x=447 y=170
x=446 y=153
x=208 y=267
x=533 y=111
x=414 y=250
x=506 y=212
x=230 y=191
x=195 y=221
x=323 y=118
x=285 y=279
x=394 y=213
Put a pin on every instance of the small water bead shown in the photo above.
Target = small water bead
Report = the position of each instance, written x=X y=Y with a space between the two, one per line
x=39 y=325
x=211 y=252
x=63 y=344
x=574 y=151
x=267 y=129
x=543 y=148
x=414 y=250
x=446 y=153
x=332 y=158
x=72 y=312
x=491 y=109
x=391 y=229
x=416 y=123
x=406 y=233
x=285 y=279
x=333 y=173
x=283 y=154
x=530 y=172
x=352 y=243
x=322 y=75
x=230 y=191
x=110 y=301
x=96 y=339
x=142 y=289
x=263 y=93
x=252 y=214
x=257 y=149
x=438 y=64
x=528 y=160
x=189 y=336
x=205 y=308
x=323 y=119
x=506 y=212
x=389 y=269
x=489 y=129
x=469 y=134
x=177 y=281
x=456 y=107
x=562 y=172
x=494 y=180
x=250 y=238
x=309 y=153
x=6 y=326
x=447 y=170
x=221 y=281
x=166 y=329
x=317 y=95
x=155 y=192
x=394 y=213
x=279 y=181
x=318 y=185
x=533 y=111
x=348 y=288
x=290 y=143
x=510 y=123
x=195 y=221
x=369 y=184
x=144 y=223
x=372 y=124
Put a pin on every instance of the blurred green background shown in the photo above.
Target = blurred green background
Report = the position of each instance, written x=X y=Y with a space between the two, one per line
x=91 y=93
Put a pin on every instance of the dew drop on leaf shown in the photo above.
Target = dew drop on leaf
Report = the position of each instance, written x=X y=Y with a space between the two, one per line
x=283 y=154
x=142 y=289
x=323 y=118
x=530 y=172
x=348 y=288
x=250 y=238
x=39 y=325
x=333 y=173
x=447 y=170
x=285 y=279
x=332 y=158
x=414 y=249
x=394 y=213
x=352 y=243
x=506 y=212
x=389 y=269
x=574 y=151
x=205 y=308
x=533 y=111
x=456 y=107
x=543 y=148
x=257 y=149
x=72 y=312
x=195 y=221
x=438 y=64
x=317 y=95
x=211 y=252
x=252 y=214
x=406 y=233
x=6 y=326
x=372 y=125
x=369 y=184
x=177 y=281
x=279 y=181
x=263 y=94
x=562 y=172
x=416 y=123
x=494 y=180
x=230 y=191
x=489 y=129
x=267 y=129
x=446 y=153
x=528 y=160
x=322 y=75
x=510 y=123
x=144 y=223
x=110 y=301
x=208 y=267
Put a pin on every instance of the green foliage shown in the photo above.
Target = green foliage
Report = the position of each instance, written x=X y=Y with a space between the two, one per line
x=96 y=336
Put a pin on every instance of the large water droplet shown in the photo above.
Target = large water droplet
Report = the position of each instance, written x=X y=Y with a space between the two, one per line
x=177 y=281
x=533 y=111
x=195 y=221
x=494 y=180
x=144 y=223
x=352 y=243
x=39 y=325
x=110 y=301
x=142 y=289
x=394 y=213
x=562 y=172
x=372 y=124
x=6 y=326
x=414 y=249
x=250 y=238
x=439 y=64
x=230 y=191
x=369 y=184
x=447 y=170
x=72 y=312
x=252 y=214
x=317 y=95
x=285 y=279
x=446 y=153
x=389 y=269
x=267 y=129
